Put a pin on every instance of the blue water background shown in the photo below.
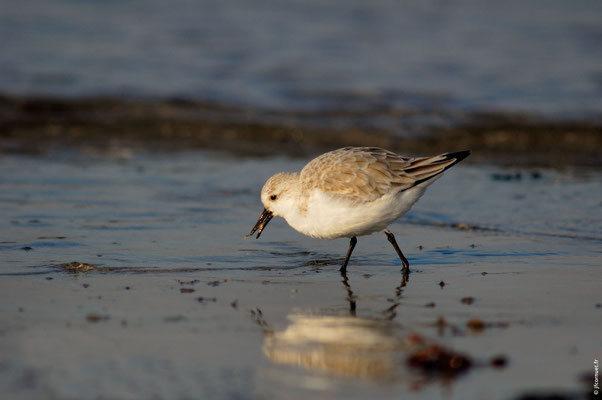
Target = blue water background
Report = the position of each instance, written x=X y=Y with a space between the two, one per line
x=307 y=54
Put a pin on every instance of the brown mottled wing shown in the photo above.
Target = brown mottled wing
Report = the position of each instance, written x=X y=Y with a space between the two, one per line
x=367 y=173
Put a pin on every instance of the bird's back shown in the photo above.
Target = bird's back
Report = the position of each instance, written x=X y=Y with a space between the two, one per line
x=362 y=174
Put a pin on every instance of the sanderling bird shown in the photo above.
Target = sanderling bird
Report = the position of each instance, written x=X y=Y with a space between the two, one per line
x=350 y=192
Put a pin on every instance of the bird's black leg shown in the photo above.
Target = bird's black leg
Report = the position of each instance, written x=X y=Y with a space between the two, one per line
x=351 y=246
x=406 y=264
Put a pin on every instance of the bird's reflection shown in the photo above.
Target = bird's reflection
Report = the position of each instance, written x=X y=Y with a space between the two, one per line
x=350 y=296
x=389 y=313
x=350 y=346
x=343 y=345
x=357 y=347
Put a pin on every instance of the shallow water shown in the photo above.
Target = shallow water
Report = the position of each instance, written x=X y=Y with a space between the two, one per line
x=109 y=209
x=181 y=306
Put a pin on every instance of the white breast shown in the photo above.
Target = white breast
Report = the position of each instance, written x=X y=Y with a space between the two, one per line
x=330 y=217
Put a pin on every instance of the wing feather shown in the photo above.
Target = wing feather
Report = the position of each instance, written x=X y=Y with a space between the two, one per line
x=367 y=173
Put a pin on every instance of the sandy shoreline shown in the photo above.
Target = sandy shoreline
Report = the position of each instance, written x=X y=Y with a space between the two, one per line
x=135 y=138
x=141 y=336
x=170 y=301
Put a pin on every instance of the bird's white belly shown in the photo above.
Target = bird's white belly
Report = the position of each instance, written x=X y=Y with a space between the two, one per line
x=329 y=217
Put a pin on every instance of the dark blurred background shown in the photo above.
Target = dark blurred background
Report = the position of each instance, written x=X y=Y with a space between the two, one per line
x=396 y=69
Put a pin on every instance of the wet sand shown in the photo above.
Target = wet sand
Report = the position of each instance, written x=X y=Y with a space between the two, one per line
x=125 y=274
x=125 y=194
x=35 y=124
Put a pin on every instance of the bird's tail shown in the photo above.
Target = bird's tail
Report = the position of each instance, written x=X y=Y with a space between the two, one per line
x=426 y=168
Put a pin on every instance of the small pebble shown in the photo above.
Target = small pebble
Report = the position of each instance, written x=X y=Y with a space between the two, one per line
x=467 y=300
x=499 y=361
x=475 y=324
x=188 y=282
x=96 y=318
x=206 y=299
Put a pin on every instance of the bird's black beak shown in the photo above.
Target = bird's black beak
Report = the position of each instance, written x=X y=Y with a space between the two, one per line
x=265 y=217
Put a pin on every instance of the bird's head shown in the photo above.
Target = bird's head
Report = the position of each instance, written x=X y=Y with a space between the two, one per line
x=277 y=196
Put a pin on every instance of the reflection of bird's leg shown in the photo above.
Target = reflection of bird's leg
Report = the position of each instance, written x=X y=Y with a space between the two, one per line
x=258 y=318
x=350 y=295
x=390 y=312
x=404 y=260
x=351 y=247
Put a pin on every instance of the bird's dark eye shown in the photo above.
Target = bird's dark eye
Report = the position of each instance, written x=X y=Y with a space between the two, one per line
x=273 y=197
